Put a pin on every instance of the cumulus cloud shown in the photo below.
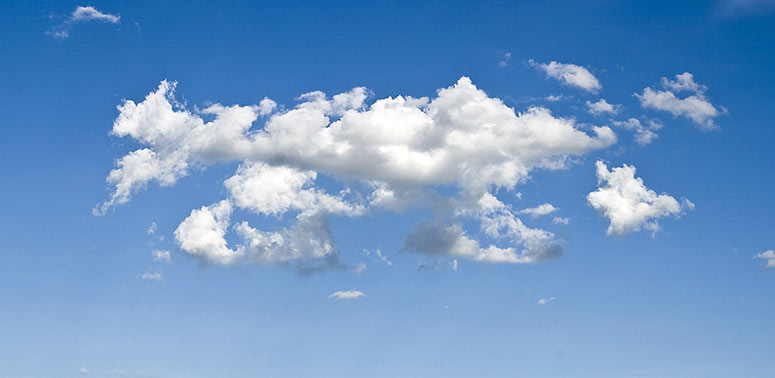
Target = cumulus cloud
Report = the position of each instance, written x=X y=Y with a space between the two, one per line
x=347 y=295
x=628 y=203
x=544 y=301
x=393 y=154
x=695 y=106
x=539 y=210
x=769 y=256
x=569 y=74
x=561 y=220
x=602 y=106
x=81 y=14
x=645 y=132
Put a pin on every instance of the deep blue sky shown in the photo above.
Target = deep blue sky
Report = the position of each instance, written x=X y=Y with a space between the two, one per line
x=689 y=302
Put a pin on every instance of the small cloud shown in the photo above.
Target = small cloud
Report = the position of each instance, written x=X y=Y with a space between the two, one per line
x=544 y=301
x=769 y=256
x=561 y=220
x=347 y=295
x=540 y=210
x=163 y=256
x=151 y=229
x=554 y=98
x=645 y=132
x=454 y=264
x=83 y=371
x=569 y=74
x=602 y=106
x=505 y=61
x=696 y=107
x=152 y=275
x=80 y=15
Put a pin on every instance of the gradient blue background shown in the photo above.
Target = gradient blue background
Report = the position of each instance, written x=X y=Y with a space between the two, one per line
x=689 y=303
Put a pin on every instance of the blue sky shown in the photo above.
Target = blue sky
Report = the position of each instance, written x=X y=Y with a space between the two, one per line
x=181 y=202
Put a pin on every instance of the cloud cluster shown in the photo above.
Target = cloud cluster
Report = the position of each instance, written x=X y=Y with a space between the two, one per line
x=628 y=203
x=394 y=154
x=570 y=75
x=695 y=107
x=81 y=14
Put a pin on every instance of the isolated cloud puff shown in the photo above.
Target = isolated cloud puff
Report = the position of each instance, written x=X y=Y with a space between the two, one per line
x=81 y=14
x=628 y=203
x=347 y=295
x=545 y=301
x=570 y=75
x=768 y=256
x=543 y=209
x=695 y=107
x=392 y=154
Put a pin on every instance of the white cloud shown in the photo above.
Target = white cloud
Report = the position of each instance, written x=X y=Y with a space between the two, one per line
x=152 y=275
x=645 y=132
x=628 y=204
x=695 y=107
x=570 y=75
x=561 y=220
x=81 y=14
x=382 y=258
x=544 y=301
x=83 y=371
x=400 y=149
x=505 y=61
x=347 y=295
x=540 y=210
x=602 y=106
x=151 y=229
x=163 y=256
x=767 y=255
x=554 y=98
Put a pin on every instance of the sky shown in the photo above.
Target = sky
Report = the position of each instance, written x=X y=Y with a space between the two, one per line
x=383 y=189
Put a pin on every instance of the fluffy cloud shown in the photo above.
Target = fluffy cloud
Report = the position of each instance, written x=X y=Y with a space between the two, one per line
x=347 y=295
x=602 y=106
x=695 y=107
x=645 y=132
x=153 y=275
x=570 y=75
x=393 y=154
x=769 y=256
x=628 y=204
x=79 y=15
x=561 y=220
x=540 y=210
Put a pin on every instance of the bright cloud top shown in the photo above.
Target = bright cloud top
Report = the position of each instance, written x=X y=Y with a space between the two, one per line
x=628 y=203
x=79 y=15
x=695 y=107
x=393 y=154
x=570 y=75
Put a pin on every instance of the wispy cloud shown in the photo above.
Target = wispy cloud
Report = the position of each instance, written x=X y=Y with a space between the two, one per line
x=347 y=295
x=545 y=301
x=81 y=14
